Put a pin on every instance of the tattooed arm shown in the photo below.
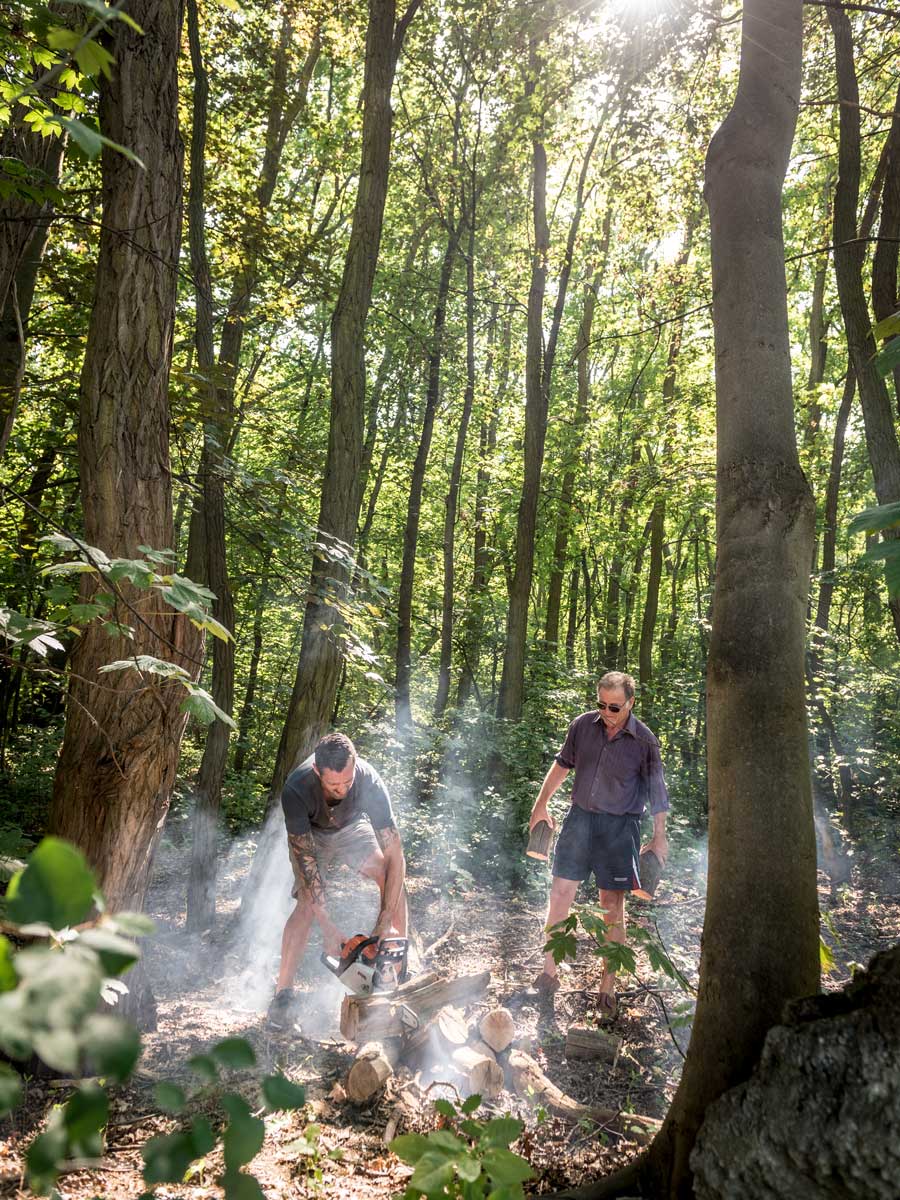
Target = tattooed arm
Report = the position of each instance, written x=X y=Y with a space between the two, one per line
x=394 y=876
x=311 y=888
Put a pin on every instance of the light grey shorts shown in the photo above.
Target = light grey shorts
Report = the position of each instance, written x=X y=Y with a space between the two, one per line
x=351 y=846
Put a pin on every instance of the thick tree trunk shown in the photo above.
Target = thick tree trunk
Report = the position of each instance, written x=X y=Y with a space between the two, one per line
x=402 y=704
x=849 y=258
x=120 y=751
x=760 y=941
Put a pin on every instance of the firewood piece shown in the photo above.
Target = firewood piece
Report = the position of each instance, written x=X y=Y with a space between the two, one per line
x=373 y=1067
x=497 y=1028
x=529 y=1080
x=398 y=1112
x=483 y=1048
x=383 y=1016
x=482 y=1072
x=582 y=1042
x=444 y=1032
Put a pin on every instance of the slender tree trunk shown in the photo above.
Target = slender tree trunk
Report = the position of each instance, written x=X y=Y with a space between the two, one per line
x=651 y=605
x=885 y=296
x=849 y=257
x=243 y=731
x=319 y=665
x=567 y=490
x=760 y=944
x=588 y=608
x=611 y=610
x=402 y=706
x=451 y=500
x=481 y=553
x=123 y=731
x=572 y=623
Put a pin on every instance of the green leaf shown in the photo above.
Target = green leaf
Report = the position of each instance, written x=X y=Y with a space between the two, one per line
x=470 y=1104
x=46 y=1154
x=504 y=1167
x=168 y=1156
x=882 y=516
x=433 y=1173
x=150 y=664
x=826 y=956
x=244 y=1134
x=169 y=1097
x=282 y=1093
x=92 y=142
x=205 y=1067
x=235 y=1052
x=887 y=359
x=446 y=1142
x=132 y=924
x=84 y=1116
x=239 y=1186
x=445 y=1108
x=56 y=887
x=116 y=953
x=10 y=1089
x=888 y=327
x=8 y=976
x=502 y=1130
x=201 y=705
x=468 y=1168
x=135 y=570
x=58 y=1048
x=409 y=1147
x=112 y=1044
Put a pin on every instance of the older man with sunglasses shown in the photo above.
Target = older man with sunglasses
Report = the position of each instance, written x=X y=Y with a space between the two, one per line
x=617 y=770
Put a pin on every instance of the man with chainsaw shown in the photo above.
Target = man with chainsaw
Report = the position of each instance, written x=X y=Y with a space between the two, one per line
x=617 y=770
x=337 y=811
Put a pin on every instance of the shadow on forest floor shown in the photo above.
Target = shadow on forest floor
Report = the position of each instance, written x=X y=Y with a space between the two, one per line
x=196 y=979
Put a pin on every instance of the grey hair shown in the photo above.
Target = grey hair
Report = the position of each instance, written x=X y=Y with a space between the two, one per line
x=617 y=679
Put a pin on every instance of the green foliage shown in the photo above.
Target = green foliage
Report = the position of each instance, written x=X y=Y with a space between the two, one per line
x=56 y=888
x=877 y=520
x=466 y=1158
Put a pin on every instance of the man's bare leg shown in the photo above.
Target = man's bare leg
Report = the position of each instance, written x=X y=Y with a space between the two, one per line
x=562 y=895
x=373 y=868
x=614 y=904
x=293 y=943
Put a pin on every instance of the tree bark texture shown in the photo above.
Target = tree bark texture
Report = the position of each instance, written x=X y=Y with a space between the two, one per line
x=760 y=941
x=402 y=704
x=885 y=295
x=122 y=736
x=849 y=258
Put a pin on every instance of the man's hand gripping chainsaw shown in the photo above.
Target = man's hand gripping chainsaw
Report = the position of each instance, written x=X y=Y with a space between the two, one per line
x=369 y=964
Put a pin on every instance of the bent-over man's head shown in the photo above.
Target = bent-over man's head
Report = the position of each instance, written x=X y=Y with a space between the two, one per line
x=334 y=761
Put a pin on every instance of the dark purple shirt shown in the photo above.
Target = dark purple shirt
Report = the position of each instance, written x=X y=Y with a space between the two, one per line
x=618 y=774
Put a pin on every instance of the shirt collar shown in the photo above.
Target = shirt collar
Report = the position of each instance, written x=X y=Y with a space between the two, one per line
x=630 y=725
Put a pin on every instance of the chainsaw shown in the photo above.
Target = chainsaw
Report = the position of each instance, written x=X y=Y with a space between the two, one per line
x=369 y=964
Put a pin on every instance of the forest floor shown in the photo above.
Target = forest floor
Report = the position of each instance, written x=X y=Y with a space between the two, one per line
x=197 y=981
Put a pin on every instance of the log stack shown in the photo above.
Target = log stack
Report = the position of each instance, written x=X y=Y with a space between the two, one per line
x=423 y=1024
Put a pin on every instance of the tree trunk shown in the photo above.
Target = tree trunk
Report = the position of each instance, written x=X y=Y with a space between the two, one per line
x=567 y=490
x=243 y=731
x=651 y=605
x=760 y=944
x=319 y=665
x=885 y=297
x=402 y=706
x=849 y=257
x=122 y=736
x=451 y=500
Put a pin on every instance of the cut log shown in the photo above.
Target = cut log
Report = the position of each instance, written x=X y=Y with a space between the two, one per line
x=530 y=1081
x=407 y=1008
x=497 y=1028
x=373 y=1067
x=482 y=1072
x=483 y=1048
x=442 y=1034
x=582 y=1042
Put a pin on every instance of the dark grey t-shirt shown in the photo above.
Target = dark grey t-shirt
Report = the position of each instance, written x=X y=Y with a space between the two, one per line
x=614 y=775
x=306 y=808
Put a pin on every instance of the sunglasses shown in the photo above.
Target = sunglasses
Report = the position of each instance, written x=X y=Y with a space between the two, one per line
x=613 y=708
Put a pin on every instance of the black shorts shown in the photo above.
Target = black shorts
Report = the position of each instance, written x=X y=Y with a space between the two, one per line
x=606 y=843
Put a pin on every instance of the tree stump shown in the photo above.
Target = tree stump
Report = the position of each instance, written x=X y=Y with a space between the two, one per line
x=482 y=1072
